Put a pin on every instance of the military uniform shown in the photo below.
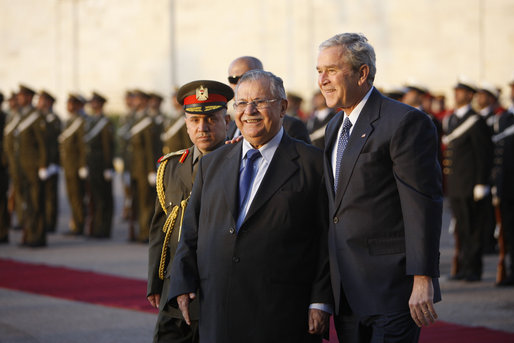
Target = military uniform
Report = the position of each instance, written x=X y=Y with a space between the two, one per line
x=73 y=157
x=11 y=154
x=175 y=136
x=503 y=180
x=467 y=163
x=30 y=140
x=141 y=151
x=4 y=184
x=100 y=145
x=52 y=132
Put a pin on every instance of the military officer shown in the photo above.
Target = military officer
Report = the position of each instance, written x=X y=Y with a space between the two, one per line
x=4 y=180
x=142 y=168
x=155 y=112
x=73 y=160
x=52 y=131
x=100 y=145
x=319 y=119
x=205 y=105
x=30 y=141
x=467 y=166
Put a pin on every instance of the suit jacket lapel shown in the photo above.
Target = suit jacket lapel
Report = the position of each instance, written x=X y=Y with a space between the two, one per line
x=360 y=134
x=231 y=178
x=281 y=168
x=330 y=142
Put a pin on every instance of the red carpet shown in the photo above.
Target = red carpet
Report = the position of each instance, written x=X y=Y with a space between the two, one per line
x=114 y=291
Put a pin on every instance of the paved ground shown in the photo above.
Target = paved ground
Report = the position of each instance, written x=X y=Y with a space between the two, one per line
x=27 y=318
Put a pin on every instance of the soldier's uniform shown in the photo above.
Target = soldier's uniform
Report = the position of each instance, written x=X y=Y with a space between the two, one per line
x=30 y=141
x=52 y=132
x=467 y=163
x=11 y=154
x=175 y=136
x=73 y=160
x=175 y=178
x=503 y=180
x=142 y=168
x=100 y=146
x=4 y=181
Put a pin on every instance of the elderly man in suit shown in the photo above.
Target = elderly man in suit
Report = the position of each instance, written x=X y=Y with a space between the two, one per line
x=385 y=201
x=253 y=246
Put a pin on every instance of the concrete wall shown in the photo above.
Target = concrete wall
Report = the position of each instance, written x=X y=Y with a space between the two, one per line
x=112 y=45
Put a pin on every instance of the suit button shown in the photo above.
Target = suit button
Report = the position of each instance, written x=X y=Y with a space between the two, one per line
x=235 y=259
x=231 y=230
x=336 y=220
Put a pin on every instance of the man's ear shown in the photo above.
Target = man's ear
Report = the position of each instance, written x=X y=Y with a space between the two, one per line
x=283 y=107
x=227 y=119
x=363 y=74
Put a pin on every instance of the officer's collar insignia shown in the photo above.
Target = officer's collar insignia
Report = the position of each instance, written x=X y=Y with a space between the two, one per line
x=202 y=93
x=183 y=157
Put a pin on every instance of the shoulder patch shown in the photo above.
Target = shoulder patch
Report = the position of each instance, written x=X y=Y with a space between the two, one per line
x=171 y=154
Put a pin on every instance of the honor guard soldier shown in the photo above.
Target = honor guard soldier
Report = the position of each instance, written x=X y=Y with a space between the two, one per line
x=503 y=190
x=100 y=147
x=205 y=106
x=318 y=120
x=175 y=135
x=52 y=131
x=4 y=180
x=155 y=112
x=30 y=141
x=15 y=201
x=73 y=160
x=142 y=167
x=467 y=165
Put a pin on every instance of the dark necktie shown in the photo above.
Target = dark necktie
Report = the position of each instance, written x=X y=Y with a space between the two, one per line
x=246 y=177
x=341 y=145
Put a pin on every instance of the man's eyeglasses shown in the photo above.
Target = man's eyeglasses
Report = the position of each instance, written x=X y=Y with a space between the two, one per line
x=234 y=79
x=240 y=106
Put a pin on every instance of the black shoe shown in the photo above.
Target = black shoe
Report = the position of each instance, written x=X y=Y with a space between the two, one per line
x=72 y=233
x=456 y=277
x=4 y=240
x=508 y=281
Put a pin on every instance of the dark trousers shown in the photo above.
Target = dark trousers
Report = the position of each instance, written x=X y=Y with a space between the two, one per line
x=34 y=219
x=4 y=213
x=469 y=228
x=507 y=214
x=76 y=190
x=384 y=328
x=51 y=202
x=102 y=206
x=143 y=205
x=174 y=330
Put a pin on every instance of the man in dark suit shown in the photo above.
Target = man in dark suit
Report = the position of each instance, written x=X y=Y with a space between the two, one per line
x=255 y=251
x=385 y=201
x=207 y=128
x=294 y=127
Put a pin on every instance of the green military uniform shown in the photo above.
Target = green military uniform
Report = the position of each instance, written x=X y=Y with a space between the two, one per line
x=142 y=159
x=11 y=154
x=73 y=158
x=30 y=140
x=4 y=184
x=100 y=149
x=174 y=184
x=53 y=130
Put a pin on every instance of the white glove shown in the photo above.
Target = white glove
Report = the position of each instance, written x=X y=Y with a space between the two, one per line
x=43 y=174
x=152 y=177
x=480 y=191
x=108 y=174
x=83 y=172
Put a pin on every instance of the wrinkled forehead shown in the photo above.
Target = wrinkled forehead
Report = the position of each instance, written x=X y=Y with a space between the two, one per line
x=254 y=89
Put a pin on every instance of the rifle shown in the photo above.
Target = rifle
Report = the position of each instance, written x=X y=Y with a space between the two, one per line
x=500 y=271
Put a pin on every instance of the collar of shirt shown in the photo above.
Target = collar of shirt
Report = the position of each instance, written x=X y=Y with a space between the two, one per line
x=267 y=150
x=461 y=111
x=485 y=111
x=511 y=109
x=197 y=154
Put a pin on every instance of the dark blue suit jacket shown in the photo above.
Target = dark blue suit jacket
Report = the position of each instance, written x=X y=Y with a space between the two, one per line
x=385 y=220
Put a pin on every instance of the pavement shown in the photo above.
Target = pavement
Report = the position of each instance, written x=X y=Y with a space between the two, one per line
x=28 y=318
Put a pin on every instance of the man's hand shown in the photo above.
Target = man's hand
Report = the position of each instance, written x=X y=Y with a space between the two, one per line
x=421 y=301
x=183 y=304
x=154 y=300
x=318 y=321
x=234 y=140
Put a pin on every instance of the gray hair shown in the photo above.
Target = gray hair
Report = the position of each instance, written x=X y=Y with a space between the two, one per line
x=357 y=51
x=276 y=83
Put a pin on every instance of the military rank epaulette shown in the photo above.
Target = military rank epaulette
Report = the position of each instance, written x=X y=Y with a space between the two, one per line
x=183 y=152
